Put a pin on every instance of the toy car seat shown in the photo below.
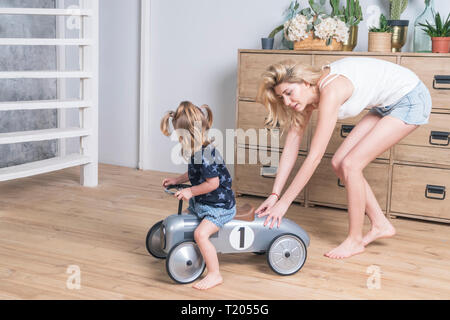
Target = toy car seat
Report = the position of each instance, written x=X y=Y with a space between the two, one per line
x=245 y=213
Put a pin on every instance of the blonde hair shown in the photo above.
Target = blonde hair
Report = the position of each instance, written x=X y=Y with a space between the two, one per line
x=192 y=120
x=289 y=72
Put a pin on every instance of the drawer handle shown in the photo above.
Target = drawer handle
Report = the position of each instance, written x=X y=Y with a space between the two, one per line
x=439 y=135
x=270 y=130
x=268 y=172
x=441 y=80
x=340 y=184
x=346 y=129
x=436 y=190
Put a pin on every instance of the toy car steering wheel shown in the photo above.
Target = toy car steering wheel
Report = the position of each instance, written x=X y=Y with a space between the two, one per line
x=168 y=189
x=176 y=186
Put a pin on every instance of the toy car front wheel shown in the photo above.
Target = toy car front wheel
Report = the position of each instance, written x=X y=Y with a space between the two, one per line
x=286 y=254
x=185 y=263
x=153 y=241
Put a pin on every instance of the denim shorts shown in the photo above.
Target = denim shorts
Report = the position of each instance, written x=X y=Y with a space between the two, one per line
x=413 y=108
x=218 y=216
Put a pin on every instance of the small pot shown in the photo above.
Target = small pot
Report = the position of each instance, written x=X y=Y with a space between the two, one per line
x=441 y=44
x=380 y=42
x=267 y=43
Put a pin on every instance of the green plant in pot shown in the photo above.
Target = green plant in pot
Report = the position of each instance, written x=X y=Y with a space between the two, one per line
x=352 y=16
x=399 y=27
x=289 y=13
x=267 y=43
x=380 y=37
x=439 y=33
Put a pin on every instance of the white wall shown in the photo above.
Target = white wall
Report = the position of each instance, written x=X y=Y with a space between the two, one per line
x=119 y=82
x=194 y=55
x=194 y=47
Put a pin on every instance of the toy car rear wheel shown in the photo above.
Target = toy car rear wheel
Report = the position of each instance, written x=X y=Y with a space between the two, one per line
x=185 y=263
x=286 y=254
x=153 y=241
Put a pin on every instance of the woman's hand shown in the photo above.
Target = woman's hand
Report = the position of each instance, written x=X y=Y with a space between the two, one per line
x=169 y=181
x=267 y=204
x=184 y=194
x=275 y=213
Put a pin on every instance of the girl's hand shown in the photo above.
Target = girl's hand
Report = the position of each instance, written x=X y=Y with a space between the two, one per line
x=275 y=213
x=169 y=181
x=184 y=194
x=266 y=205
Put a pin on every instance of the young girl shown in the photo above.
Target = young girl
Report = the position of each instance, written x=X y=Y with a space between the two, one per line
x=210 y=197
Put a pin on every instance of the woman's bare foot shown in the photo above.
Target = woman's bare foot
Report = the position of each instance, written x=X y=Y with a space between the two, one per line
x=386 y=230
x=346 y=249
x=211 y=280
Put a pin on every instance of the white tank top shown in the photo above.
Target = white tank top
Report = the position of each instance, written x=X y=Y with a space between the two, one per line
x=376 y=83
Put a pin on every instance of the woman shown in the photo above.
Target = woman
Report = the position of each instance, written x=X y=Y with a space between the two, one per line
x=399 y=103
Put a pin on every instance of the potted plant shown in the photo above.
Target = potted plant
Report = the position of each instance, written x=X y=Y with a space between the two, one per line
x=291 y=11
x=313 y=29
x=352 y=16
x=439 y=33
x=267 y=43
x=380 y=37
x=399 y=27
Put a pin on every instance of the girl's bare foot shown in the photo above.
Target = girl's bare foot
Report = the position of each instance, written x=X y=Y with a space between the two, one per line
x=386 y=230
x=346 y=249
x=211 y=280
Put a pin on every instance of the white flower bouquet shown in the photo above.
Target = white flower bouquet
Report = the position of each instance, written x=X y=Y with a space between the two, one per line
x=314 y=25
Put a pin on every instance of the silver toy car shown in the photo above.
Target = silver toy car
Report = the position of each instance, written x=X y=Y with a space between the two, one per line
x=173 y=239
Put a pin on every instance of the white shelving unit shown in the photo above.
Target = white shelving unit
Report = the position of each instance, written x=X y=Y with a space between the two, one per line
x=87 y=104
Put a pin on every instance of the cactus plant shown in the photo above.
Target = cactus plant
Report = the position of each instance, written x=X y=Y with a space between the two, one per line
x=397 y=7
x=351 y=14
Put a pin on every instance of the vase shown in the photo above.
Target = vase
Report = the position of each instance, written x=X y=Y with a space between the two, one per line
x=399 y=34
x=350 y=44
x=380 y=42
x=422 y=41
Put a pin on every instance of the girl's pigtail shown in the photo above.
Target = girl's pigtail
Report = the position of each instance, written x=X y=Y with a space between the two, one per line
x=209 y=115
x=165 y=123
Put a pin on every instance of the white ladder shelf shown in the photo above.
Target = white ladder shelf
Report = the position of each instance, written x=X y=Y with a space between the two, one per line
x=87 y=102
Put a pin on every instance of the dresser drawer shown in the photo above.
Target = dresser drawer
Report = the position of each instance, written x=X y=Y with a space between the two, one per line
x=341 y=130
x=421 y=191
x=427 y=68
x=429 y=143
x=253 y=65
x=252 y=115
x=258 y=179
x=325 y=187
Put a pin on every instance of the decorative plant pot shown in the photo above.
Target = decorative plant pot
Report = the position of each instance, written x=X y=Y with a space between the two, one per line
x=399 y=34
x=350 y=44
x=380 y=41
x=441 y=44
x=267 y=43
x=316 y=44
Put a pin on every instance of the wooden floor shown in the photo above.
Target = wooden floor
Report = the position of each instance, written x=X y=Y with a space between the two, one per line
x=50 y=222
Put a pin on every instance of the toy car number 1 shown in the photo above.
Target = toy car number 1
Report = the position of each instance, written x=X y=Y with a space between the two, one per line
x=241 y=237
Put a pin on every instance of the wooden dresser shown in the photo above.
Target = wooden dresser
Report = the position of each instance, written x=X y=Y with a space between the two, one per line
x=412 y=179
